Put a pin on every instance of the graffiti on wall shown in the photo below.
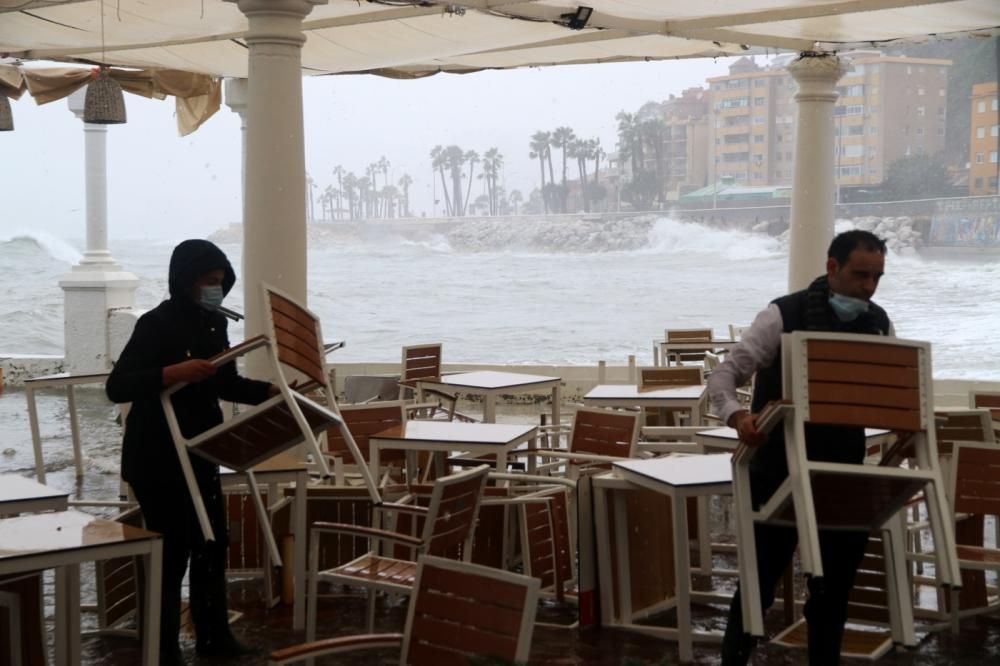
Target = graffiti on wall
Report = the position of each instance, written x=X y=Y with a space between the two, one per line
x=973 y=221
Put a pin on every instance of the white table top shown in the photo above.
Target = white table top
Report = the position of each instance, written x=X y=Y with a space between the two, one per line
x=491 y=379
x=456 y=433
x=64 y=378
x=729 y=434
x=633 y=392
x=680 y=471
x=15 y=488
x=63 y=530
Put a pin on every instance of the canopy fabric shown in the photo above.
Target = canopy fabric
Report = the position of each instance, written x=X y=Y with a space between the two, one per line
x=409 y=39
x=197 y=96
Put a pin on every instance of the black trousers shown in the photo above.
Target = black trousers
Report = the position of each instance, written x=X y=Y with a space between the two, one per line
x=168 y=509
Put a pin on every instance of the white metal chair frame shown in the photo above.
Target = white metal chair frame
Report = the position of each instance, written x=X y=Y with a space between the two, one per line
x=291 y=398
x=797 y=487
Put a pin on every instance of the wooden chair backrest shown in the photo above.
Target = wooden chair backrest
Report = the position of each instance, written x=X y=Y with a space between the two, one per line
x=462 y=611
x=454 y=507
x=977 y=479
x=858 y=380
x=548 y=555
x=687 y=335
x=421 y=362
x=869 y=598
x=653 y=377
x=296 y=334
x=364 y=421
x=986 y=399
x=604 y=432
x=963 y=425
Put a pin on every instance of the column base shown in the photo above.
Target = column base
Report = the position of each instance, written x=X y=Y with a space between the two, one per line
x=89 y=293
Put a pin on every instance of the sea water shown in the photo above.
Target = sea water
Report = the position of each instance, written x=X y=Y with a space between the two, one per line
x=524 y=304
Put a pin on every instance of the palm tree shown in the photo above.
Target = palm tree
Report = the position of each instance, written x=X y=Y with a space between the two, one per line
x=562 y=137
x=405 y=183
x=515 y=199
x=492 y=163
x=539 y=146
x=365 y=196
x=310 y=185
x=580 y=149
x=383 y=165
x=596 y=154
x=350 y=185
x=438 y=161
x=454 y=158
x=472 y=158
x=389 y=195
x=338 y=171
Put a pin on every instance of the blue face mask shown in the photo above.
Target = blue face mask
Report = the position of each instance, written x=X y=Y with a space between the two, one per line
x=212 y=296
x=847 y=308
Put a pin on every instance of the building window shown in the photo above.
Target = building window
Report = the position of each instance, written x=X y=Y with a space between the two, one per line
x=758 y=120
x=940 y=92
x=993 y=157
x=921 y=111
x=849 y=171
x=941 y=112
x=993 y=183
x=979 y=183
x=993 y=104
x=873 y=130
x=872 y=152
x=981 y=106
x=872 y=109
x=758 y=101
x=980 y=132
x=940 y=131
x=759 y=83
x=920 y=91
x=849 y=110
x=758 y=138
x=979 y=158
x=906 y=153
x=854 y=150
x=993 y=130
x=920 y=131
x=856 y=90
x=909 y=70
x=735 y=102
x=873 y=171
x=855 y=130
x=920 y=150
x=859 y=69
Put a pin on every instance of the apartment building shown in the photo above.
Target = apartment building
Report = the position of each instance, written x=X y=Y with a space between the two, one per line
x=888 y=107
x=983 y=139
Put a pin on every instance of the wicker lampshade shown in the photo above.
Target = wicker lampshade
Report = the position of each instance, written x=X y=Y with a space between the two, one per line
x=105 y=103
x=6 y=116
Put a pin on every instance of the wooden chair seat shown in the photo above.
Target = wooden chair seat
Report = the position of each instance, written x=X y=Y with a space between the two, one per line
x=386 y=572
x=868 y=644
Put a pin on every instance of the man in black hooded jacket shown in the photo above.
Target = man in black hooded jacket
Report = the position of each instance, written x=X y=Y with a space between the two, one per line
x=169 y=345
x=838 y=301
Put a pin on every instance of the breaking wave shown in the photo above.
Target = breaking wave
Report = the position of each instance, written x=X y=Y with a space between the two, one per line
x=53 y=246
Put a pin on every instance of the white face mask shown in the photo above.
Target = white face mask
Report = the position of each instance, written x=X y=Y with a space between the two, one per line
x=212 y=296
x=847 y=308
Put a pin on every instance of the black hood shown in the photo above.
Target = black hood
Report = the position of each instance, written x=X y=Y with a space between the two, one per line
x=192 y=259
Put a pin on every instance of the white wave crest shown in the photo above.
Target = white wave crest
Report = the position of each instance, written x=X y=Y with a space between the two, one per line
x=52 y=245
x=670 y=236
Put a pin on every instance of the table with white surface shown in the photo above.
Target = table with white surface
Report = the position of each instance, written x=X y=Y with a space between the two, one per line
x=727 y=439
x=677 y=477
x=283 y=468
x=690 y=398
x=21 y=495
x=490 y=384
x=443 y=437
x=63 y=540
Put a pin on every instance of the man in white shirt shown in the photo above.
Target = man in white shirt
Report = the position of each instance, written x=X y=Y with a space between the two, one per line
x=838 y=301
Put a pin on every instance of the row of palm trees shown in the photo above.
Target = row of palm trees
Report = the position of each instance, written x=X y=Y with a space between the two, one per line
x=555 y=195
x=449 y=163
x=360 y=197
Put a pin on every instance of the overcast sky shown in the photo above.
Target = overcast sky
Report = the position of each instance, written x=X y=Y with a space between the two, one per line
x=164 y=186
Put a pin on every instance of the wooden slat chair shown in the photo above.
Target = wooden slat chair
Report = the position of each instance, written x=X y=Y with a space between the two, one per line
x=872 y=625
x=294 y=341
x=423 y=363
x=597 y=438
x=989 y=400
x=449 y=521
x=117 y=585
x=687 y=335
x=651 y=378
x=460 y=614
x=362 y=422
x=548 y=550
x=975 y=492
x=23 y=640
x=844 y=380
x=953 y=426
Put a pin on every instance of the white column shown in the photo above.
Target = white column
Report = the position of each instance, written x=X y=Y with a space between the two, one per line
x=813 y=183
x=96 y=285
x=274 y=222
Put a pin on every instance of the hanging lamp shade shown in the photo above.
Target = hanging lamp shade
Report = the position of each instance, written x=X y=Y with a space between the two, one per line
x=6 y=115
x=105 y=103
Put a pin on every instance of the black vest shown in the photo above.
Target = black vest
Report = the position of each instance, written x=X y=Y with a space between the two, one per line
x=807 y=310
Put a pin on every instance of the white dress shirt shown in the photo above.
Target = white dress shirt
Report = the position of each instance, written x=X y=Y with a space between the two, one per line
x=756 y=349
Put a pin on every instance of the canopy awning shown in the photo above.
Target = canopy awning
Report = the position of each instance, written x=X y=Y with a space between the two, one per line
x=402 y=38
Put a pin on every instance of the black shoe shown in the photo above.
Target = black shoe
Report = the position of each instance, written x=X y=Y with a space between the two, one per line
x=225 y=647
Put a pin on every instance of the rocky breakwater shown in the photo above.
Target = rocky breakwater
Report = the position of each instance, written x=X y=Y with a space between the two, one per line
x=899 y=233
x=580 y=235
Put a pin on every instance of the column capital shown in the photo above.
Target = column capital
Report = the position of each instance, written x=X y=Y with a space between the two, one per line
x=236 y=92
x=817 y=75
x=277 y=7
